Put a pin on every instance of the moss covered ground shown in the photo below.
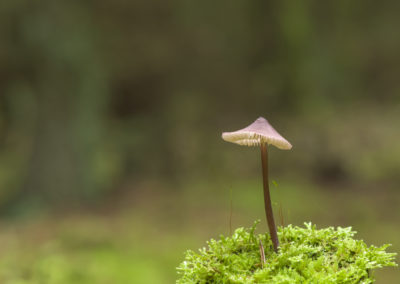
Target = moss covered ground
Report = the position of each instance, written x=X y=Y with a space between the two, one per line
x=306 y=255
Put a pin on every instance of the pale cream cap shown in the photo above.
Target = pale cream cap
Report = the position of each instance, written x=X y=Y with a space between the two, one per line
x=259 y=132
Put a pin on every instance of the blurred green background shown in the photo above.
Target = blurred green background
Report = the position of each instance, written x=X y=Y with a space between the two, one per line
x=111 y=112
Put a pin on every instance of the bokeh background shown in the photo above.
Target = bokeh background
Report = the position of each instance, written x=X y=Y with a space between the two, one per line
x=111 y=113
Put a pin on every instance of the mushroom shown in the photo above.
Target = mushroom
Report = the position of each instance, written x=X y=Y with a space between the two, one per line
x=261 y=133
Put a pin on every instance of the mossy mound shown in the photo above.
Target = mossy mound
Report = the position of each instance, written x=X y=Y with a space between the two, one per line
x=306 y=255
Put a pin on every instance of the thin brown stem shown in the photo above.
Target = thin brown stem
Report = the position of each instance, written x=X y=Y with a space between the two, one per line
x=267 y=198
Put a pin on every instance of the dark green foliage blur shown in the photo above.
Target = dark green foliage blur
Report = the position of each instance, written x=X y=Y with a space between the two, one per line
x=306 y=255
x=95 y=93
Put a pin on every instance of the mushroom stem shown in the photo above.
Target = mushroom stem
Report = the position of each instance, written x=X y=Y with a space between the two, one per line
x=267 y=197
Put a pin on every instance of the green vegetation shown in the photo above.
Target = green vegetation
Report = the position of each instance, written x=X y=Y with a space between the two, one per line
x=306 y=255
x=128 y=241
x=87 y=248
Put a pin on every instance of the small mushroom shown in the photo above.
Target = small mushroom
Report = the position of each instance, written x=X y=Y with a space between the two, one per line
x=261 y=133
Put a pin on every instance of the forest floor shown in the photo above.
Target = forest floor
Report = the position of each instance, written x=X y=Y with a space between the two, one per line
x=142 y=237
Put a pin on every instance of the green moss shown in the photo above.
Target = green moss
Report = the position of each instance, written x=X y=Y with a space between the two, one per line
x=306 y=255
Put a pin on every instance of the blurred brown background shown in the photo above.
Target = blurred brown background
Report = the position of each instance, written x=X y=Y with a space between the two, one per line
x=111 y=161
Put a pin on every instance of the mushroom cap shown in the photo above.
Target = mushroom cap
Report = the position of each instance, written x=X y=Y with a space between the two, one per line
x=257 y=133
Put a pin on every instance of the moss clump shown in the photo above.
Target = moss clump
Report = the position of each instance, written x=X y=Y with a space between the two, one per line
x=306 y=255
